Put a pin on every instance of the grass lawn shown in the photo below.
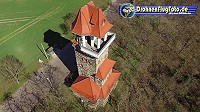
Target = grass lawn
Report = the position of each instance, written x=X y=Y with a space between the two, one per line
x=22 y=24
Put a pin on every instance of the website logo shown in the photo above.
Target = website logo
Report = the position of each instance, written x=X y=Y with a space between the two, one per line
x=128 y=10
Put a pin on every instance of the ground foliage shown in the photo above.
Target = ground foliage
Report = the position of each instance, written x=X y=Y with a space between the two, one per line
x=159 y=58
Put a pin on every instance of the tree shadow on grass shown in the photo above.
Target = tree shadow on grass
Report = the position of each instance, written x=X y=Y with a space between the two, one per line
x=67 y=20
x=65 y=51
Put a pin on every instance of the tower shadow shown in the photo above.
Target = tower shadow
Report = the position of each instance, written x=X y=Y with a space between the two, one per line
x=65 y=51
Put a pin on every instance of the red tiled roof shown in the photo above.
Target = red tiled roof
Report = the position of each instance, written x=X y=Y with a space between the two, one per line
x=74 y=41
x=89 y=89
x=86 y=87
x=105 y=90
x=91 y=3
x=105 y=68
x=91 y=21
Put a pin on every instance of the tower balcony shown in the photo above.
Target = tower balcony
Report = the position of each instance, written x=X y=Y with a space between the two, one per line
x=96 y=47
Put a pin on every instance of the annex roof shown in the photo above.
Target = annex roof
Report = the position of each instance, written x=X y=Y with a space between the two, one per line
x=89 y=89
x=105 y=90
x=105 y=68
x=74 y=41
x=91 y=21
x=86 y=87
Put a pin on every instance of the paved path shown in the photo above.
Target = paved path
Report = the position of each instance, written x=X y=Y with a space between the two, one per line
x=113 y=1
x=24 y=94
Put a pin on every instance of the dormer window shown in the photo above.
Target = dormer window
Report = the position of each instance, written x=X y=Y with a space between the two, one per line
x=103 y=22
x=93 y=20
x=92 y=24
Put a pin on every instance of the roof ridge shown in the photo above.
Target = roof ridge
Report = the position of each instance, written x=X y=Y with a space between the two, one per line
x=87 y=22
x=100 y=72
x=99 y=24
x=91 y=3
x=81 y=19
x=92 y=86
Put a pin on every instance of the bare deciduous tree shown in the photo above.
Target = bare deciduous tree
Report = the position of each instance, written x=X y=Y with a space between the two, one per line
x=11 y=68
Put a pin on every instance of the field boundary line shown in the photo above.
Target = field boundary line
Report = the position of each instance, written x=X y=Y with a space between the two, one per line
x=14 y=21
x=18 y=18
x=48 y=18
x=26 y=24
x=24 y=27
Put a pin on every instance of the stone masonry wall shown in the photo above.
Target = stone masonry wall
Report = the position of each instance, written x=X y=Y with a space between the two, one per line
x=86 y=65
x=100 y=60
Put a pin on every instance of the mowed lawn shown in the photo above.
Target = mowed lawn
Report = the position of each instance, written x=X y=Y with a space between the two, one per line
x=22 y=24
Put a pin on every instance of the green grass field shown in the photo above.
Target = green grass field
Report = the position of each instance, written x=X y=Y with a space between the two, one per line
x=22 y=24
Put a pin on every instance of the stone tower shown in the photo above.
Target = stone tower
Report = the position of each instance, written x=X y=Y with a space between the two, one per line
x=97 y=78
